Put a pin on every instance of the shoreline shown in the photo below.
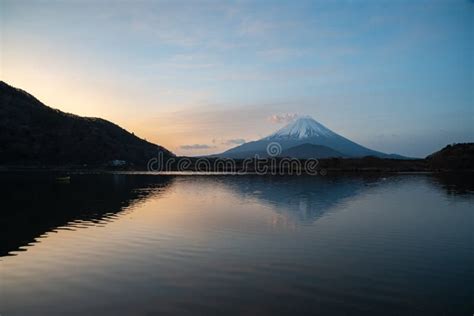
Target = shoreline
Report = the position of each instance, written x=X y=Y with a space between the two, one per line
x=322 y=172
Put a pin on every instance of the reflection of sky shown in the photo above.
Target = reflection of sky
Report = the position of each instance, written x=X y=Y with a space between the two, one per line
x=394 y=76
x=236 y=240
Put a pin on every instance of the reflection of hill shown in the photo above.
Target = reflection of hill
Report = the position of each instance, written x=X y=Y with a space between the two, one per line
x=34 y=203
x=455 y=183
x=304 y=198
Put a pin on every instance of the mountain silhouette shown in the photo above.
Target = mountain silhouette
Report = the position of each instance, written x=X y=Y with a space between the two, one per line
x=32 y=133
x=306 y=151
x=455 y=156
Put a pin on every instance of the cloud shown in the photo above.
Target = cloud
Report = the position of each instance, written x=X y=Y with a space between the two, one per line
x=184 y=62
x=235 y=141
x=195 y=146
x=255 y=27
x=282 y=118
x=280 y=53
x=230 y=141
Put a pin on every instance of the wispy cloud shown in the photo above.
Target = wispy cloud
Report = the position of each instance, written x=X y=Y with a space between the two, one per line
x=227 y=142
x=195 y=146
x=184 y=61
x=235 y=141
x=283 y=118
x=281 y=53
x=255 y=27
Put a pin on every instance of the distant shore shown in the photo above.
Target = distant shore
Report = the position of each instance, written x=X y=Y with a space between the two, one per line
x=324 y=166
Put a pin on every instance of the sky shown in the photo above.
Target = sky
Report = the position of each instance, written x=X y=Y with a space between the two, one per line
x=200 y=77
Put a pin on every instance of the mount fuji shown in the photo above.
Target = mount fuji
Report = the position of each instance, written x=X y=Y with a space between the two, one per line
x=305 y=131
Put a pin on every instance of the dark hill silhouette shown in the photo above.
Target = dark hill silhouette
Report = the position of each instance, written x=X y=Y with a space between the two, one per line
x=453 y=157
x=32 y=133
x=306 y=151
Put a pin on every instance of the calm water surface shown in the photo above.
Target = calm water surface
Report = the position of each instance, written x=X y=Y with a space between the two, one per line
x=123 y=244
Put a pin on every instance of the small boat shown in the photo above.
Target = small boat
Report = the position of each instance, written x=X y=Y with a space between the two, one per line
x=66 y=179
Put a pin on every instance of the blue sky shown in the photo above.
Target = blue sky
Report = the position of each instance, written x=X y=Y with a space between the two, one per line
x=202 y=76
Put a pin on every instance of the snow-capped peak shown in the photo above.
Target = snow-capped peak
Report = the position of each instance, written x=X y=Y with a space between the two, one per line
x=302 y=127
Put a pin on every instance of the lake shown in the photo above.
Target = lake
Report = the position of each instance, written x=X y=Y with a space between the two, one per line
x=138 y=244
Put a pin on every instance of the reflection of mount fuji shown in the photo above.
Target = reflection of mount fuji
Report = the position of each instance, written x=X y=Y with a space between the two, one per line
x=303 y=198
